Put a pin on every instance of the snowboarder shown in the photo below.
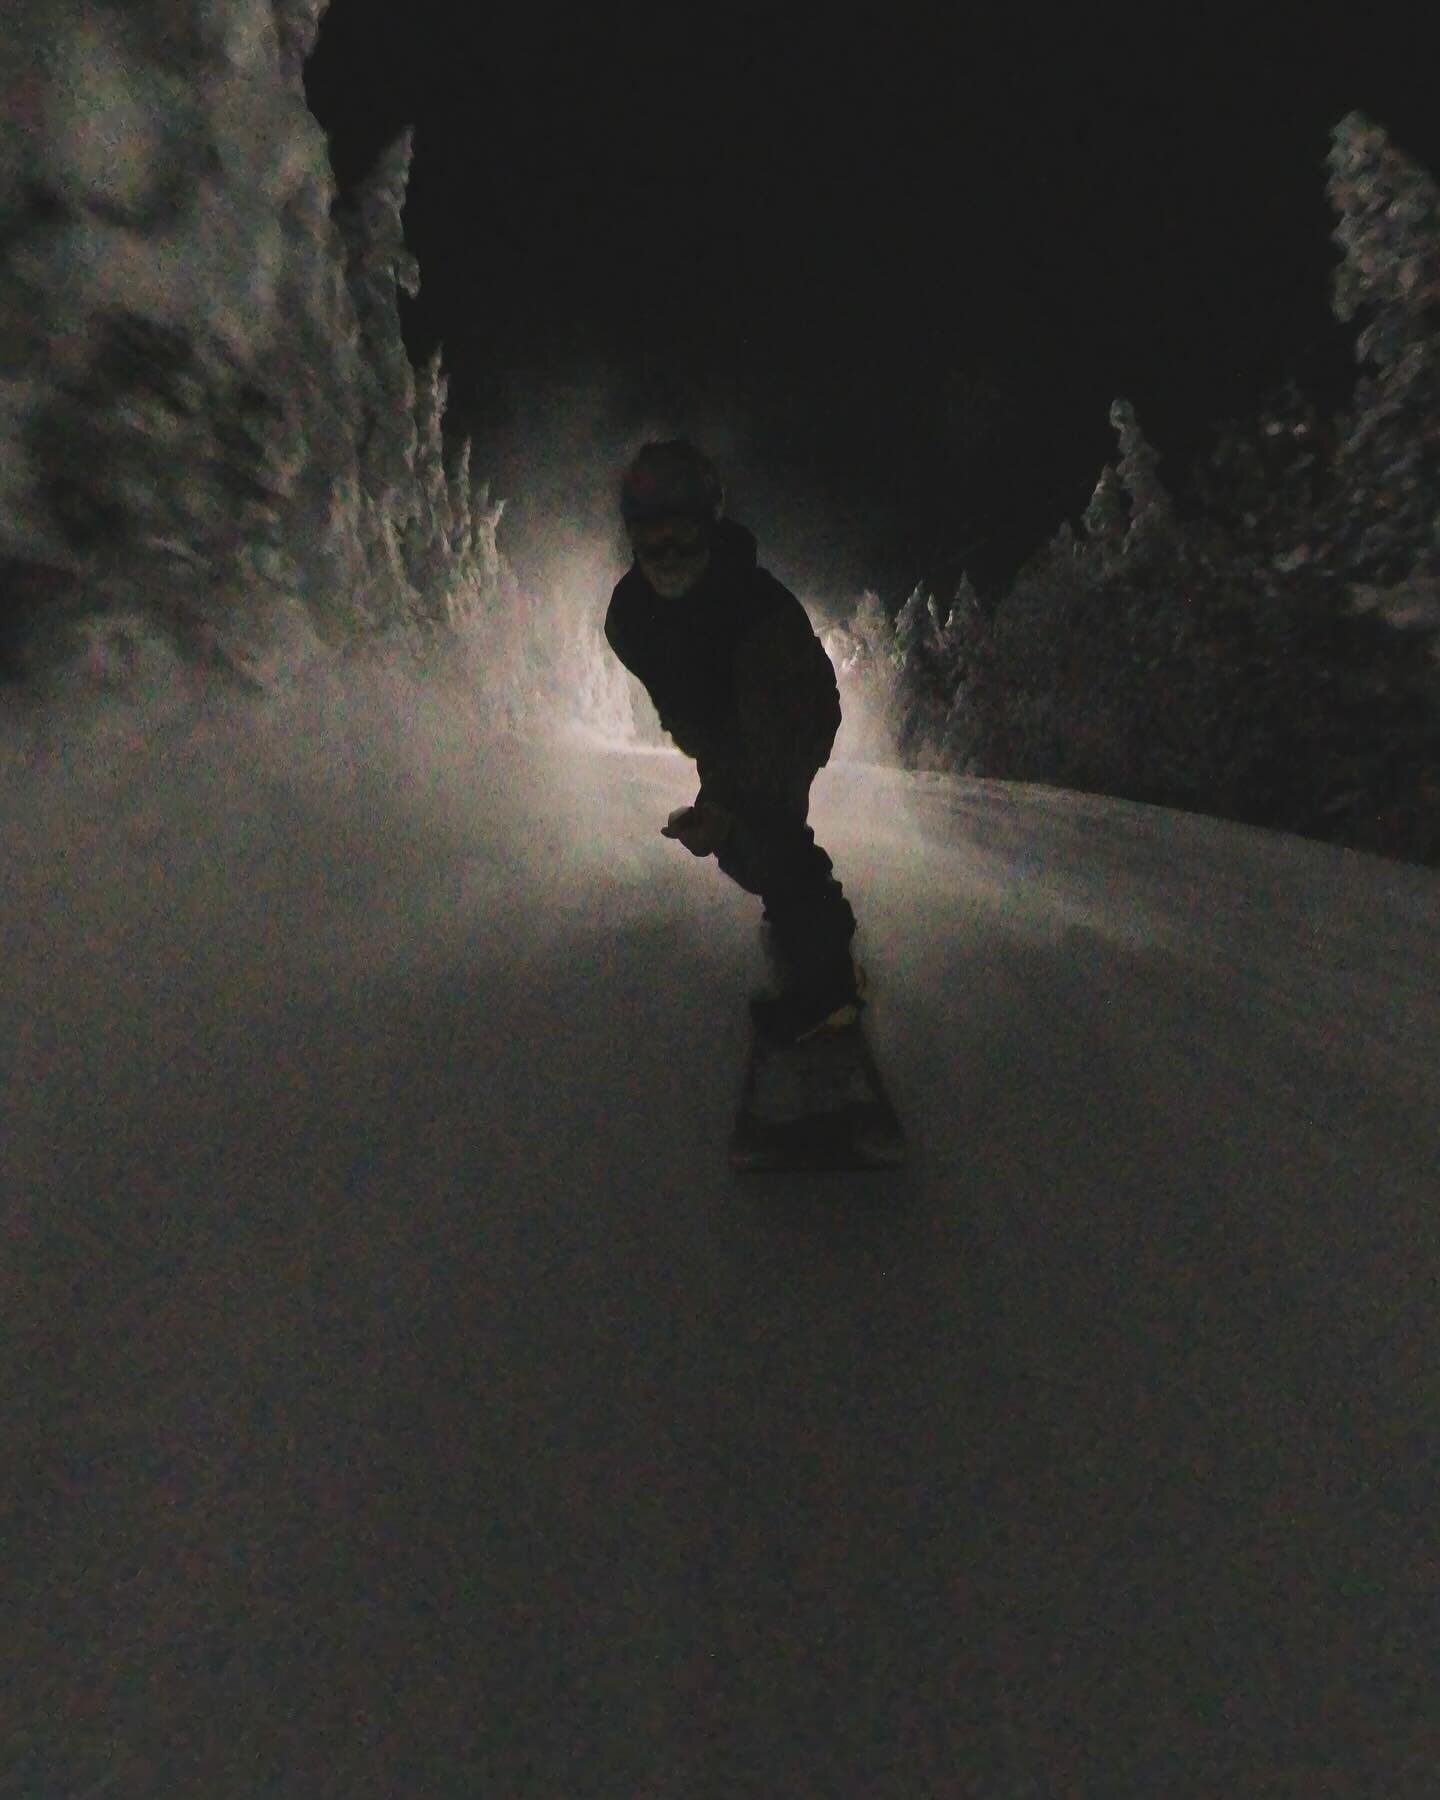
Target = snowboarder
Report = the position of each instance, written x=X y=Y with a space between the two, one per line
x=743 y=685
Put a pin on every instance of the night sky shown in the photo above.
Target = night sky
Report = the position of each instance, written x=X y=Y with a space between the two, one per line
x=915 y=257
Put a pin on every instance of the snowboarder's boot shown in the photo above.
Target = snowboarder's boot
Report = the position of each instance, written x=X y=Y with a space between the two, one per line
x=828 y=998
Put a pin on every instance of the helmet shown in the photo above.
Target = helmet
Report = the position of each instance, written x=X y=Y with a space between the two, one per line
x=669 y=479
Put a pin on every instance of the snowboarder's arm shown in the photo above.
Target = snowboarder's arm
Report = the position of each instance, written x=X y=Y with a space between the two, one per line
x=621 y=639
x=786 y=697
x=615 y=634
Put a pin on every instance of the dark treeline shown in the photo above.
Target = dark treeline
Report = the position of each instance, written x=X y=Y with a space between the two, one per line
x=1263 y=645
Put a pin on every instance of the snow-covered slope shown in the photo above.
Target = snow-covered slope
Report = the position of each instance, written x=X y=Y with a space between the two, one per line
x=404 y=1398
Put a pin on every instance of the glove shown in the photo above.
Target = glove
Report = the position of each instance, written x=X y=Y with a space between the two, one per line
x=701 y=828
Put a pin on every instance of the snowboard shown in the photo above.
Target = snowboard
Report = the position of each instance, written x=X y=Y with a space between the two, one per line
x=819 y=1104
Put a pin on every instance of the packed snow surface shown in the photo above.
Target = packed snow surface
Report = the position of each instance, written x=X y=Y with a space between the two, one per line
x=404 y=1397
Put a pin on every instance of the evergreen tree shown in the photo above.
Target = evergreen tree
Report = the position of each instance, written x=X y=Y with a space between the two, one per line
x=917 y=629
x=965 y=655
x=427 y=531
x=458 y=498
x=1104 y=518
x=1150 y=507
x=1386 y=520
x=378 y=267
x=1389 y=230
x=870 y=663
x=963 y=622
x=923 y=690
x=297 y=24
x=1268 y=666
x=874 y=634
x=1265 y=481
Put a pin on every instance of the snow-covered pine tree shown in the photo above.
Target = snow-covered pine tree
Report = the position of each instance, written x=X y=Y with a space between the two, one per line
x=967 y=612
x=297 y=24
x=917 y=628
x=1104 y=520
x=1389 y=230
x=922 y=692
x=1151 y=512
x=379 y=266
x=215 y=437
x=1382 y=521
x=1256 y=496
x=481 y=549
x=867 y=663
x=425 y=535
x=874 y=633
x=1387 y=518
x=432 y=395
x=458 y=497
x=472 y=562
x=965 y=656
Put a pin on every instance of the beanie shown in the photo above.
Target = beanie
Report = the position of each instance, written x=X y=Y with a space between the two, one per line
x=670 y=479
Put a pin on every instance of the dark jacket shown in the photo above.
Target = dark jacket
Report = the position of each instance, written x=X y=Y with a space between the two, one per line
x=737 y=675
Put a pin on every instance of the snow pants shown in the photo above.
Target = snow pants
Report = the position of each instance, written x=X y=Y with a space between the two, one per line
x=771 y=851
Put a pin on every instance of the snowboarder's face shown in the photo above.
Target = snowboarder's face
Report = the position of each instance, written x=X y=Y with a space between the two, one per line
x=672 y=554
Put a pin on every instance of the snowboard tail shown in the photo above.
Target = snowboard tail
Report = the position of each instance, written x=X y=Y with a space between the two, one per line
x=819 y=1104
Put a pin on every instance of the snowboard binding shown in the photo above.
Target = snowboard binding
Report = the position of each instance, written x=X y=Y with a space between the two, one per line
x=797 y=1013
